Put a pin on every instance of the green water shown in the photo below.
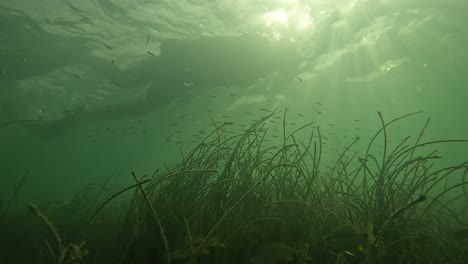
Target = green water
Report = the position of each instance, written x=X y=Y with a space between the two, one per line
x=59 y=58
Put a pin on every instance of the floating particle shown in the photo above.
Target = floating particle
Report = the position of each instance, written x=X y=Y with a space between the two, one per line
x=148 y=39
x=108 y=46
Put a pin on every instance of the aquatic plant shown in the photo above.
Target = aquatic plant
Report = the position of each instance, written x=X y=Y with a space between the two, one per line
x=237 y=191
x=65 y=253
x=235 y=198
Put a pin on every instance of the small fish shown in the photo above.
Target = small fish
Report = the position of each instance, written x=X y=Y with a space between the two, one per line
x=148 y=39
x=299 y=79
x=76 y=75
x=318 y=103
x=264 y=109
x=108 y=46
x=350 y=237
x=183 y=250
x=318 y=112
x=212 y=96
x=150 y=53
x=40 y=114
x=300 y=115
x=232 y=94
x=356 y=120
x=274 y=253
x=462 y=233
x=188 y=84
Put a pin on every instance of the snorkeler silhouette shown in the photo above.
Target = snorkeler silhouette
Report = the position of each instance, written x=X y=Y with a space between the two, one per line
x=185 y=66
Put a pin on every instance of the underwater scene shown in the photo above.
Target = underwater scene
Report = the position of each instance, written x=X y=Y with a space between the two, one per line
x=234 y=131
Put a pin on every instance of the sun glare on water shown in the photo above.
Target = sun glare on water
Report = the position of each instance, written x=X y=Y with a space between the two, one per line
x=294 y=19
x=278 y=17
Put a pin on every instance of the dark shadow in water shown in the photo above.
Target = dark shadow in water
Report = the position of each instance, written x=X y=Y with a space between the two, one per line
x=183 y=66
